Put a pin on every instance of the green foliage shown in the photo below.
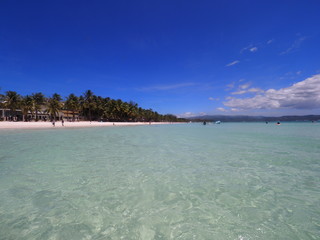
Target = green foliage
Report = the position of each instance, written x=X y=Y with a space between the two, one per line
x=38 y=102
x=1 y=100
x=54 y=105
x=26 y=106
x=88 y=106
x=73 y=104
x=11 y=101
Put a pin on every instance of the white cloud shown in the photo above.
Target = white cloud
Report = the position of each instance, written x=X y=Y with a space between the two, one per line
x=270 y=41
x=232 y=63
x=291 y=75
x=230 y=86
x=239 y=92
x=186 y=115
x=255 y=90
x=296 y=44
x=221 y=109
x=254 y=49
x=245 y=48
x=245 y=86
x=250 y=48
x=191 y=114
x=213 y=99
x=166 y=87
x=244 y=90
x=302 y=95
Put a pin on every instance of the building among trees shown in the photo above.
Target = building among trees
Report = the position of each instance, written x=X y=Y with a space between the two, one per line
x=87 y=107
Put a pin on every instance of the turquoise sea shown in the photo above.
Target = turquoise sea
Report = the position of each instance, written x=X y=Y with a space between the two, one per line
x=236 y=181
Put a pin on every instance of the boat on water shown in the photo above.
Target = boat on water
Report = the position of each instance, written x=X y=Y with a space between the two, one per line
x=217 y=122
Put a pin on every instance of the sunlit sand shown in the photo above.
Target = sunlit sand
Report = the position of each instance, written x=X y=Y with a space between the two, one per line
x=26 y=125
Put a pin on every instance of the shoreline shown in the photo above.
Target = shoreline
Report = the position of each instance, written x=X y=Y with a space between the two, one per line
x=81 y=124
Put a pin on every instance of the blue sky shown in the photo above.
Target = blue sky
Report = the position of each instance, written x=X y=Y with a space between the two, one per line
x=181 y=57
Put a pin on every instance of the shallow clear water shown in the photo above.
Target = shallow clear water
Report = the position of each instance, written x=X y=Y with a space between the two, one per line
x=228 y=181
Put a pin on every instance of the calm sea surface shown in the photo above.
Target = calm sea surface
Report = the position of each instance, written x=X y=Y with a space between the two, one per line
x=236 y=181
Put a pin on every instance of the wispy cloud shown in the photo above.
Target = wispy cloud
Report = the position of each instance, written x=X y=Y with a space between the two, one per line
x=302 y=95
x=233 y=85
x=255 y=90
x=186 y=115
x=230 y=86
x=250 y=48
x=221 y=109
x=232 y=63
x=167 y=87
x=239 y=92
x=270 y=41
x=191 y=114
x=245 y=86
x=245 y=48
x=296 y=44
x=253 y=49
x=291 y=75
x=213 y=99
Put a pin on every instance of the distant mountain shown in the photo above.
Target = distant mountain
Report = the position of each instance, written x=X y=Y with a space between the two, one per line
x=243 y=118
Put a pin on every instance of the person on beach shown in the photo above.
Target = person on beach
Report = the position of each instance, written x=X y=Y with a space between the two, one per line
x=62 y=121
x=53 y=123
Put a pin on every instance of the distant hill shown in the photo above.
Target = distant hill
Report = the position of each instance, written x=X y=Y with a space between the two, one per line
x=242 y=118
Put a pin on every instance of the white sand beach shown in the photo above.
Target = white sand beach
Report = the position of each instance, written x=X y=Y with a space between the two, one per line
x=33 y=125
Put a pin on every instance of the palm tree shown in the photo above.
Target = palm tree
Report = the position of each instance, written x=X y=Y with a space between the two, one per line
x=2 y=105
x=54 y=105
x=133 y=111
x=38 y=101
x=1 y=100
x=100 y=107
x=56 y=97
x=88 y=102
x=110 y=109
x=91 y=106
x=148 y=115
x=72 y=103
x=123 y=110
x=26 y=106
x=118 y=109
x=103 y=108
x=12 y=101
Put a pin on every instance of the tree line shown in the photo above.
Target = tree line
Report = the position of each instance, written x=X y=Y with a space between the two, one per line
x=88 y=106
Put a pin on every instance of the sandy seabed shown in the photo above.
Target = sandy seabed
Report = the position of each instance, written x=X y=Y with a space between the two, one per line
x=26 y=125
